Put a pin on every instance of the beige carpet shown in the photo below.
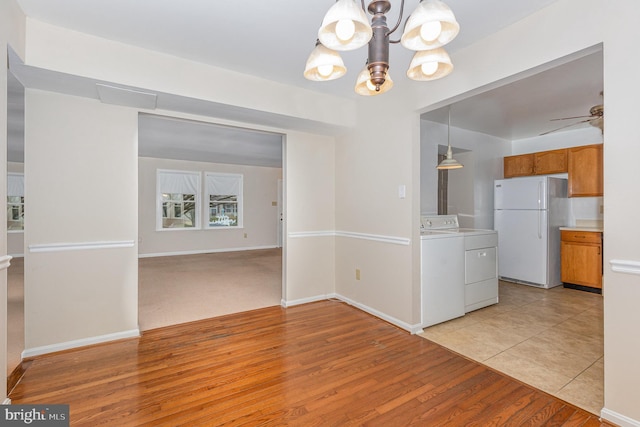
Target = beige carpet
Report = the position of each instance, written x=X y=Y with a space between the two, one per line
x=185 y=288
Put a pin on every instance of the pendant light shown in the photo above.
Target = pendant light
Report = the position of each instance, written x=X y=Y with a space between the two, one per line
x=449 y=162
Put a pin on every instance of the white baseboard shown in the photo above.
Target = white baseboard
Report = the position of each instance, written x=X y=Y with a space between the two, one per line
x=618 y=419
x=414 y=329
x=205 y=251
x=284 y=303
x=37 y=351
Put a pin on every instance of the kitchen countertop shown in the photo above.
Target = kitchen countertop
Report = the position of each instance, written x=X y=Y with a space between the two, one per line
x=583 y=228
x=593 y=225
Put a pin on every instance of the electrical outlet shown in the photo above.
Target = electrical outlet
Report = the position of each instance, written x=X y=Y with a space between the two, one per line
x=357 y=274
x=245 y=235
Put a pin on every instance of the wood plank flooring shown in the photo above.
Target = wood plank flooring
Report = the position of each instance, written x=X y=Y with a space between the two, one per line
x=318 y=364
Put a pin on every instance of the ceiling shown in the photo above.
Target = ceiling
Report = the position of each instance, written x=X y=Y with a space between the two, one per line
x=263 y=38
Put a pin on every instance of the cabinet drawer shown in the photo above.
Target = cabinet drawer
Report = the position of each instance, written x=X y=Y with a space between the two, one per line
x=480 y=294
x=480 y=264
x=480 y=241
x=581 y=236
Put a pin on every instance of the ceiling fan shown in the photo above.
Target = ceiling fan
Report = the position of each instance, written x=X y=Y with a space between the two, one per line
x=595 y=118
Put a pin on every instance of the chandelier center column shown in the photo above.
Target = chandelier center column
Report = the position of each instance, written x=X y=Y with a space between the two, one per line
x=379 y=43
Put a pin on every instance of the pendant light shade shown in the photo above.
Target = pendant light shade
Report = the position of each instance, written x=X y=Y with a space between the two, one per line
x=430 y=26
x=449 y=162
x=345 y=26
x=430 y=65
x=324 y=64
x=365 y=87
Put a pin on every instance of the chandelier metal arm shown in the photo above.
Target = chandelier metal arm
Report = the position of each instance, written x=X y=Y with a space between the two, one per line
x=397 y=23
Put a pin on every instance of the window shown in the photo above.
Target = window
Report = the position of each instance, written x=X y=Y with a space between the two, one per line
x=15 y=202
x=178 y=200
x=224 y=196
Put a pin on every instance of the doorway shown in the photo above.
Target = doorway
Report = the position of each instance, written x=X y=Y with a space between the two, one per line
x=204 y=267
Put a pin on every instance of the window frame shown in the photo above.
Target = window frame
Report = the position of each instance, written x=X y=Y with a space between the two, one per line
x=206 y=205
x=160 y=201
x=19 y=175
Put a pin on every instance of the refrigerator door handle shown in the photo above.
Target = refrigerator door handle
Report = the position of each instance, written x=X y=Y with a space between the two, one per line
x=539 y=194
x=539 y=224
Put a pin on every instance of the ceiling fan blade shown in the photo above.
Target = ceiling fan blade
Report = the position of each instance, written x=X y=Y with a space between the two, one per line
x=572 y=124
x=566 y=118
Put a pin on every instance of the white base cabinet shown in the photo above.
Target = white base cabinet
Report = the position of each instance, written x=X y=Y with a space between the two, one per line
x=480 y=271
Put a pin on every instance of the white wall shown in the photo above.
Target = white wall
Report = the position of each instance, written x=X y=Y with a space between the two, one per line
x=260 y=217
x=81 y=181
x=378 y=226
x=102 y=59
x=621 y=175
x=483 y=163
x=309 y=251
x=12 y=33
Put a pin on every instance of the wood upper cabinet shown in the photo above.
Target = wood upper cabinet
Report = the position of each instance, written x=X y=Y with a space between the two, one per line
x=581 y=258
x=586 y=171
x=552 y=161
x=540 y=163
x=521 y=165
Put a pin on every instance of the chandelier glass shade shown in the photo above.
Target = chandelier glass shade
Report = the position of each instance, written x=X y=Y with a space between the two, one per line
x=346 y=27
x=364 y=85
x=430 y=26
x=324 y=64
x=430 y=65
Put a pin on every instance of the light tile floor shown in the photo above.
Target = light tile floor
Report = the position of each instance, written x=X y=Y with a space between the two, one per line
x=551 y=339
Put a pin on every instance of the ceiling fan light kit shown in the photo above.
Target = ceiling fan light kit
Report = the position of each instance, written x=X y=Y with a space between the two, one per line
x=346 y=27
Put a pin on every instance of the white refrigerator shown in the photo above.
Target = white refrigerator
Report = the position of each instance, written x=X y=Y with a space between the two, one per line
x=528 y=213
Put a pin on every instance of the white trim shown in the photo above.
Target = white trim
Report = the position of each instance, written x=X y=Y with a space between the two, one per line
x=618 y=419
x=37 y=351
x=6 y=401
x=413 y=329
x=284 y=303
x=375 y=237
x=296 y=234
x=5 y=262
x=364 y=236
x=205 y=251
x=625 y=266
x=58 y=247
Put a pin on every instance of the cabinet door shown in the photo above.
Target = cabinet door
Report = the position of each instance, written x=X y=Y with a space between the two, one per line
x=585 y=171
x=521 y=165
x=581 y=264
x=548 y=162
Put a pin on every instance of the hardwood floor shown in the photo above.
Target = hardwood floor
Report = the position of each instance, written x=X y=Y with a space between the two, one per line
x=323 y=363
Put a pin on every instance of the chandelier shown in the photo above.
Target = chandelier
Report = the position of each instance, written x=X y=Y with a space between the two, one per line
x=346 y=27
